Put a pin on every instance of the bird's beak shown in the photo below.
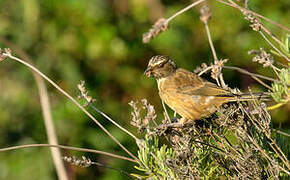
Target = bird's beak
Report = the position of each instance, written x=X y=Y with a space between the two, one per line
x=148 y=72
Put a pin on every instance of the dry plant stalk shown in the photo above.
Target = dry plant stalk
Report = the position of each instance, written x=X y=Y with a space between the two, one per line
x=8 y=54
x=161 y=24
x=236 y=142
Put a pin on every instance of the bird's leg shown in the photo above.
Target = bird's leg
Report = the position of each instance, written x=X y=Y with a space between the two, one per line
x=170 y=125
x=175 y=113
x=181 y=123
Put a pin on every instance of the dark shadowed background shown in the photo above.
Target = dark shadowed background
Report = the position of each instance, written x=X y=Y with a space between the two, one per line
x=100 y=41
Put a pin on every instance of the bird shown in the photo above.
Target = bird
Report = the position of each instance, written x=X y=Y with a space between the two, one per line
x=191 y=96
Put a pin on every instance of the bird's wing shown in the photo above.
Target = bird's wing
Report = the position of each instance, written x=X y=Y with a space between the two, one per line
x=189 y=83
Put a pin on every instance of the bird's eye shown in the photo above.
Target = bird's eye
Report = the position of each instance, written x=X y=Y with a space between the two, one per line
x=161 y=65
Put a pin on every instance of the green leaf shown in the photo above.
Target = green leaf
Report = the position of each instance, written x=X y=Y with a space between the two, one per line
x=141 y=169
x=140 y=176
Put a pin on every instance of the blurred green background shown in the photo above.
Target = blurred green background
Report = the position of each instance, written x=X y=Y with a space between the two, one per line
x=100 y=41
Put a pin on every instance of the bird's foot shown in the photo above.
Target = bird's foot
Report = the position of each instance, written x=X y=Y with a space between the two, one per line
x=174 y=125
x=169 y=129
x=174 y=119
x=170 y=125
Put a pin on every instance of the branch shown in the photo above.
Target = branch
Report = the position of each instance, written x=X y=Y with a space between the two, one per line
x=67 y=147
x=183 y=10
x=72 y=99
x=46 y=112
x=89 y=100
x=256 y=14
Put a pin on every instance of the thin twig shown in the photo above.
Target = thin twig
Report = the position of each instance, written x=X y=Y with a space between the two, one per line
x=254 y=76
x=212 y=50
x=205 y=70
x=111 y=120
x=253 y=140
x=250 y=74
x=212 y=146
x=260 y=25
x=165 y=110
x=265 y=154
x=183 y=10
x=263 y=28
x=283 y=158
x=210 y=42
x=46 y=112
x=281 y=132
x=205 y=16
x=161 y=24
x=73 y=100
x=228 y=143
x=271 y=35
x=217 y=81
x=222 y=81
x=274 y=47
x=256 y=14
x=279 y=155
x=67 y=147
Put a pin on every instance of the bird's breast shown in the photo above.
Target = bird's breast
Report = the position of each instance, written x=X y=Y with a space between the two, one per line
x=176 y=101
x=189 y=106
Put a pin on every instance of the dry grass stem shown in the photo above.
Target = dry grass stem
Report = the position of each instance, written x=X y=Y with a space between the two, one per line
x=161 y=24
x=86 y=162
x=256 y=14
x=46 y=111
x=90 y=100
x=72 y=99
x=274 y=47
x=69 y=148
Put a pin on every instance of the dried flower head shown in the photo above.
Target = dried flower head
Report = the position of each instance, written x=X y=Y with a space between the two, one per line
x=4 y=56
x=202 y=69
x=84 y=162
x=159 y=26
x=256 y=22
x=84 y=94
x=136 y=117
x=262 y=57
x=205 y=14
x=142 y=123
x=217 y=68
x=151 y=115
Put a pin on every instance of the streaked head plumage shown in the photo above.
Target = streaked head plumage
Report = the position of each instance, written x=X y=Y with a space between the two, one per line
x=160 y=66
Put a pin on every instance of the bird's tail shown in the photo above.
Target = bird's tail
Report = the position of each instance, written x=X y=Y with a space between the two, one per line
x=264 y=96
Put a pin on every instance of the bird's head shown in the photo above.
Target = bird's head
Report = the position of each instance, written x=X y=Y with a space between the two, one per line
x=160 y=67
